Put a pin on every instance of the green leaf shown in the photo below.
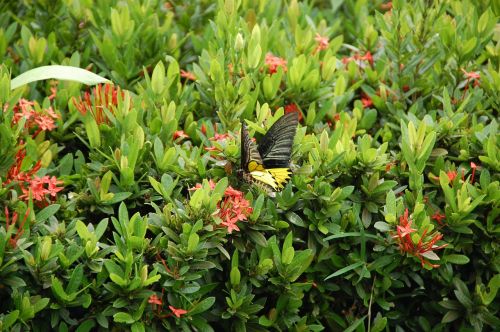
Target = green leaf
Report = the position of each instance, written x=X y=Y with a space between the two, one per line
x=295 y=219
x=202 y=306
x=86 y=326
x=65 y=73
x=137 y=327
x=47 y=212
x=345 y=270
x=450 y=316
x=9 y=319
x=123 y=317
x=355 y=325
x=457 y=259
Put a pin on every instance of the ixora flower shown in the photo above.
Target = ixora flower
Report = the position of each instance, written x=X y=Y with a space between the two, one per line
x=42 y=119
x=451 y=175
x=322 y=43
x=28 y=182
x=425 y=247
x=180 y=134
x=472 y=76
x=177 y=312
x=358 y=58
x=366 y=100
x=96 y=101
x=188 y=75
x=232 y=208
x=12 y=224
x=293 y=108
x=155 y=300
x=273 y=62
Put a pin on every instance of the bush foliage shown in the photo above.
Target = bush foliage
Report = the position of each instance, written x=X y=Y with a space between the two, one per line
x=122 y=207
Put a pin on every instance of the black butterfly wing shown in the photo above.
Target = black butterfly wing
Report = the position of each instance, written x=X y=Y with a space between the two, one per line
x=249 y=150
x=275 y=148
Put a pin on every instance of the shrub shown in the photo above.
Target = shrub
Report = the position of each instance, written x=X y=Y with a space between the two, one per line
x=122 y=207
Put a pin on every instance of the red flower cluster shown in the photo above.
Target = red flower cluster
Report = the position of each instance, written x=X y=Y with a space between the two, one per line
x=273 y=62
x=293 y=108
x=471 y=76
x=221 y=138
x=232 y=208
x=29 y=182
x=20 y=229
x=386 y=6
x=42 y=120
x=188 y=75
x=180 y=134
x=356 y=57
x=157 y=302
x=366 y=100
x=438 y=217
x=98 y=100
x=421 y=250
x=322 y=43
x=451 y=175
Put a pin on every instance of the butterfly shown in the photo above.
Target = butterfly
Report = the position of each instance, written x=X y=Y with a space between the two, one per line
x=267 y=165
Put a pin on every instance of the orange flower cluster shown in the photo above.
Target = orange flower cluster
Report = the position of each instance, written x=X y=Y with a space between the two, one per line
x=28 y=182
x=423 y=249
x=293 y=108
x=12 y=223
x=322 y=43
x=43 y=120
x=232 y=208
x=97 y=101
x=157 y=303
x=273 y=62
x=357 y=57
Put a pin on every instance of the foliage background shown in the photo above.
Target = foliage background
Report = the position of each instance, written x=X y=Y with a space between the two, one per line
x=400 y=111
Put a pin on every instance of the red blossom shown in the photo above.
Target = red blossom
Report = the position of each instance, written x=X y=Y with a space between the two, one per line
x=54 y=93
x=43 y=120
x=473 y=166
x=322 y=43
x=367 y=57
x=220 y=137
x=42 y=186
x=388 y=166
x=211 y=148
x=188 y=75
x=358 y=58
x=98 y=100
x=232 y=208
x=177 y=312
x=438 y=217
x=211 y=183
x=471 y=75
x=366 y=100
x=12 y=224
x=153 y=299
x=424 y=248
x=273 y=62
x=203 y=129
x=451 y=175
x=28 y=182
x=386 y=6
x=180 y=134
x=293 y=108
